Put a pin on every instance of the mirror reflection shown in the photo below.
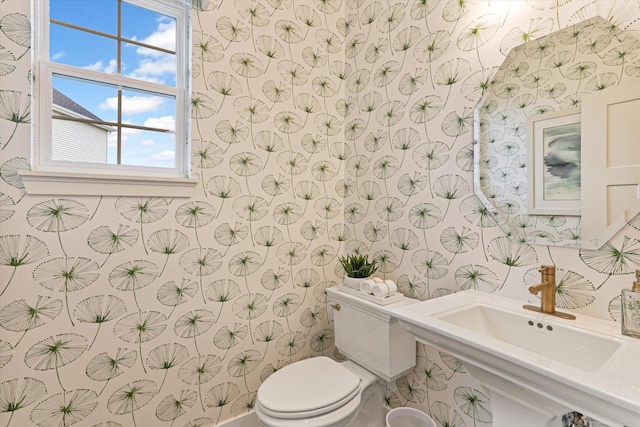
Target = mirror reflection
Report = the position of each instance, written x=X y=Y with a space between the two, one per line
x=527 y=155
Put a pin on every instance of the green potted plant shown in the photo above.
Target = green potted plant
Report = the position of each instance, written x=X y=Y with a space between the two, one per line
x=358 y=268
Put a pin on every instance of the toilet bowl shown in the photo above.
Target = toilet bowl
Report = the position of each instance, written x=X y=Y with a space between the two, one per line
x=320 y=392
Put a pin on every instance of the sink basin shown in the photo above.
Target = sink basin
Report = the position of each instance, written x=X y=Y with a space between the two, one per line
x=588 y=351
x=534 y=366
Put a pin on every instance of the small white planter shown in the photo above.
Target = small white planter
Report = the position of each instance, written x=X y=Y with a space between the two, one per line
x=353 y=282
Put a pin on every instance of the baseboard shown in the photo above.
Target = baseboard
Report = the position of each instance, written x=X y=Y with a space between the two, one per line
x=251 y=420
x=247 y=420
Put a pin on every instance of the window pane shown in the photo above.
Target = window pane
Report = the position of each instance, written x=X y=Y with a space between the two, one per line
x=146 y=148
x=91 y=100
x=149 y=65
x=77 y=141
x=144 y=109
x=81 y=49
x=98 y=15
x=148 y=27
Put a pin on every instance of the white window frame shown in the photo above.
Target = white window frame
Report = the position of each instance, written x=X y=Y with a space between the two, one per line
x=78 y=178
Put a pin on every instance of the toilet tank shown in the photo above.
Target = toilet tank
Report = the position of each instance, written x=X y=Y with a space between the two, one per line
x=369 y=335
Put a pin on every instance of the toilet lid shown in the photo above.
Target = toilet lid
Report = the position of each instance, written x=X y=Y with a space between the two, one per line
x=308 y=385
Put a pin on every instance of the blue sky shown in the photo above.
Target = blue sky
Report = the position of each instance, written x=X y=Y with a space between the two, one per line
x=81 y=49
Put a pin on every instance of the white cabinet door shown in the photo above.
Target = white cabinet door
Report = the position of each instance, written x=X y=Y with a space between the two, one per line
x=610 y=188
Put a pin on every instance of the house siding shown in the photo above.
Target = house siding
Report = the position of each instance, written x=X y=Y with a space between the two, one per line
x=78 y=142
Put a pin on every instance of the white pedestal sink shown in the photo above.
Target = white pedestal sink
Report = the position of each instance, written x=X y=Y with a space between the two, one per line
x=535 y=367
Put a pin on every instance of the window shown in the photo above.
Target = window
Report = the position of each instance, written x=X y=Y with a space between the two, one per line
x=112 y=88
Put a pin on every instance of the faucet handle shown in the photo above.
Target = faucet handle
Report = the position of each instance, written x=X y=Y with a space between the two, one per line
x=550 y=269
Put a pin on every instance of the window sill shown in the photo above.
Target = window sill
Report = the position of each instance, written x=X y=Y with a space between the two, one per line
x=76 y=184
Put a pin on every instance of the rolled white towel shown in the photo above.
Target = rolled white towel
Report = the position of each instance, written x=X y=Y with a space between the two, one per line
x=392 y=286
x=367 y=285
x=384 y=289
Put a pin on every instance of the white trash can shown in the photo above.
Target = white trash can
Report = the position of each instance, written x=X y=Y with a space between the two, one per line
x=408 y=417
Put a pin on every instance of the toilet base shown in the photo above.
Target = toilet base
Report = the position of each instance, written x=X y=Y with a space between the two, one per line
x=371 y=412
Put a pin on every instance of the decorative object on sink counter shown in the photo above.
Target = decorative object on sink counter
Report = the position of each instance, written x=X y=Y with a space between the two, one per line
x=631 y=309
x=358 y=269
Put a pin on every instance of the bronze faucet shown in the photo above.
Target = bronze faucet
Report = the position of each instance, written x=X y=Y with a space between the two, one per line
x=547 y=291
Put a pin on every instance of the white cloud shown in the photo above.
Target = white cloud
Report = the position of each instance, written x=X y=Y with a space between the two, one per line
x=164 y=156
x=110 y=68
x=164 y=37
x=165 y=122
x=152 y=70
x=96 y=66
x=57 y=56
x=148 y=143
x=133 y=104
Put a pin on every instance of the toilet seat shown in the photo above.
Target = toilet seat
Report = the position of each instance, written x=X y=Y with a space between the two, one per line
x=312 y=413
x=308 y=388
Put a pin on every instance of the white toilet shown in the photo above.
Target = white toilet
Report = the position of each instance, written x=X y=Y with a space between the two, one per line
x=320 y=392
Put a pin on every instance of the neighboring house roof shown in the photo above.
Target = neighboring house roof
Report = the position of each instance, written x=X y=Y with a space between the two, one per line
x=67 y=103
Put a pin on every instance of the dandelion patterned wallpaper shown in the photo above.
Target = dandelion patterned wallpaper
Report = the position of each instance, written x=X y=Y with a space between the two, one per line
x=319 y=128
